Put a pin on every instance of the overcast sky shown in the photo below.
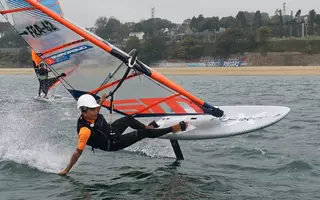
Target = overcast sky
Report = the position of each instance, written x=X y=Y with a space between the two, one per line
x=84 y=12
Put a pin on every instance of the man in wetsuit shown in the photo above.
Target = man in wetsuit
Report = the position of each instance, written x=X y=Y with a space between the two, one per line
x=43 y=77
x=45 y=82
x=93 y=130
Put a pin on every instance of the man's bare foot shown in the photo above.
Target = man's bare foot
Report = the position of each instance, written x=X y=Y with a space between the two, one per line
x=182 y=126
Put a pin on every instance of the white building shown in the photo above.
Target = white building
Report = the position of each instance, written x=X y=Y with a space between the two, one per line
x=139 y=35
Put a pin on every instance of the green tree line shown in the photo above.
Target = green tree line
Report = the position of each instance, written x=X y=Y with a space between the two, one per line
x=197 y=36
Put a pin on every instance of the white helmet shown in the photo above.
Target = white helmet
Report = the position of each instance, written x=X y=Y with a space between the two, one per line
x=88 y=101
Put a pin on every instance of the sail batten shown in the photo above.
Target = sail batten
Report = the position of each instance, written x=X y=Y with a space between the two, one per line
x=16 y=10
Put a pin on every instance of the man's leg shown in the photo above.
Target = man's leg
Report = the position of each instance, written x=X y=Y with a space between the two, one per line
x=45 y=88
x=45 y=93
x=42 y=86
x=120 y=125
x=39 y=92
x=129 y=139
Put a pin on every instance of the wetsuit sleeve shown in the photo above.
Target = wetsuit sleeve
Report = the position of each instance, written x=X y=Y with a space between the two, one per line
x=83 y=137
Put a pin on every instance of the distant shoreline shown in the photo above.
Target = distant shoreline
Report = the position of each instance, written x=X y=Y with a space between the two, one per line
x=222 y=71
x=16 y=71
x=243 y=71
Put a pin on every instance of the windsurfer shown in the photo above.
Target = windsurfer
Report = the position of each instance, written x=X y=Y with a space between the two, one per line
x=93 y=130
x=46 y=82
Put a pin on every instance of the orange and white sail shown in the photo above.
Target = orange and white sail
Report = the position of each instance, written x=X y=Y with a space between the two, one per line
x=97 y=66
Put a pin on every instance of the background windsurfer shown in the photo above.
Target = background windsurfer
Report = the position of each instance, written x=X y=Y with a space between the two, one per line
x=45 y=81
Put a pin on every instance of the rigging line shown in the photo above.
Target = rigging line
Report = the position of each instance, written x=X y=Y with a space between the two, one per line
x=110 y=76
x=117 y=69
x=132 y=52
x=57 y=74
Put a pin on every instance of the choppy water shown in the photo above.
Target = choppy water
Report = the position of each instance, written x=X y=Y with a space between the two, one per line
x=37 y=139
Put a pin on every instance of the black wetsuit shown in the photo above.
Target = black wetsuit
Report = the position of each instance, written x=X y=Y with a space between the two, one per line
x=43 y=79
x=101 y=138
x=45 y=82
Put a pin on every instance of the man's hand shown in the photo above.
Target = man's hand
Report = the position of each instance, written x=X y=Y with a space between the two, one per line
x=63 y=172
x=73 y=160
x=63 y=75
x=103 y=98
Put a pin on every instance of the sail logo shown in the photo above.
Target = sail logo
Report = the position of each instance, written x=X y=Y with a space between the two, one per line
x=65 y=55
x=39 y=29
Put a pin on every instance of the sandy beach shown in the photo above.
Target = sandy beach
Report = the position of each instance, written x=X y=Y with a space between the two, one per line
x=224 y=71
x=16 y=71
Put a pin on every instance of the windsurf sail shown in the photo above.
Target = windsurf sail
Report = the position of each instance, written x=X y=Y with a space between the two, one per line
x=98 y=66
x=52 y=80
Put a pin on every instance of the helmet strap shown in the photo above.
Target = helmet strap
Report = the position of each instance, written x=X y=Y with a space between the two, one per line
x=83 y=109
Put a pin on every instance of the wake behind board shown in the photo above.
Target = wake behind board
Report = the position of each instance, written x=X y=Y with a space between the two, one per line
x=49 y=98
x=239 y=120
